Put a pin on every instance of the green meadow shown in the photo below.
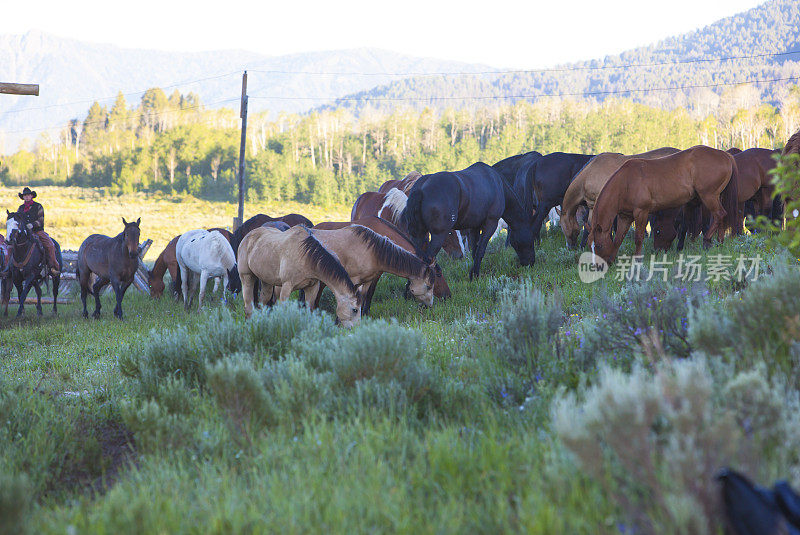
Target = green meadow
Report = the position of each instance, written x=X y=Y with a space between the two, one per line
x=529 y=402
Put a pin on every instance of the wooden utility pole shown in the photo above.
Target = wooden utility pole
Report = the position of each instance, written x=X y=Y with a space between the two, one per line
x=19 y=89
x=243 y=114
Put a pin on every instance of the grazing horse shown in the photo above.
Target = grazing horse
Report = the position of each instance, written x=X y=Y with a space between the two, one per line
x=259 y=219
x=26 y=265
x=366 y=255
x=588 y=184
x=294 y=260
x=473 y=200
x=641 y=186
x=167 y=261
x=399 y=238
x=390 y=206
x=548 y=178
x=208 y=254
x=113 y=260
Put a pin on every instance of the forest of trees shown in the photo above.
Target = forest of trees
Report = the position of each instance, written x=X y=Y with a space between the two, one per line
x=173 y=144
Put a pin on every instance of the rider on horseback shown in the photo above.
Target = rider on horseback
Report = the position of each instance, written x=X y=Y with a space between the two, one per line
x=33 y=214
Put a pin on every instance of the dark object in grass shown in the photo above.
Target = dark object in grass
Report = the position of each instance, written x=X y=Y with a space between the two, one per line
x=754 y=510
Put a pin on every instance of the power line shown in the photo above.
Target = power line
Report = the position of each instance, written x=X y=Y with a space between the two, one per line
x=131 y=93
x=126 y=118
x=521 y=97
x=530 y=71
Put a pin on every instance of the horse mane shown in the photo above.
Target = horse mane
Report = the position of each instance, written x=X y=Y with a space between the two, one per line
x=323 y=260
x=793 y=145
x=396 y=201
x=387 y=252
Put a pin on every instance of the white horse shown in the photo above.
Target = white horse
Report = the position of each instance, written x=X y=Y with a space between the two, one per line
x=208 y=254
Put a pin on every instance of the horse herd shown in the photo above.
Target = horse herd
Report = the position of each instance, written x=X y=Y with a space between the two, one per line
x=401 y=228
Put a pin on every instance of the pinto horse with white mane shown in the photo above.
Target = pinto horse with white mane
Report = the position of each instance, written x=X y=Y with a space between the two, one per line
x=209 y=255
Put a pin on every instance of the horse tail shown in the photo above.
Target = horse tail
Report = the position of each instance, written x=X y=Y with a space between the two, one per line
x=396 y=201
x=730 y=200
x=411 y=218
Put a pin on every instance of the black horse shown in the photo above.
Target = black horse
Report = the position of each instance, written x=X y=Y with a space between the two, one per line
x=549 y=177
x=27 y=267
x=472 y=200
x=112 y=260
x=514 y=171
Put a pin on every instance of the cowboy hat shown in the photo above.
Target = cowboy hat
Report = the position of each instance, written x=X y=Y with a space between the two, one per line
x=27 y=191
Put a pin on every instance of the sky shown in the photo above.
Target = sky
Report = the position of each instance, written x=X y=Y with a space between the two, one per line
x=499 y=33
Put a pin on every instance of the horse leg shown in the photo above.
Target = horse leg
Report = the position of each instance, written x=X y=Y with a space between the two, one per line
x=99 y=284
x=38 y=289
x=23 y=294
x=184 y=285
x=480 y=247
x=368 y=297
x=266 y=295
x=119 y=293
x=84 y=292
x=286 y=292
x=538 y=221
x=56 y=284
x=312 y=295
x=682 y=230
x=203 y=282
x=435 y=245
x=641 y=226
x=718 y=213
x=248 y=281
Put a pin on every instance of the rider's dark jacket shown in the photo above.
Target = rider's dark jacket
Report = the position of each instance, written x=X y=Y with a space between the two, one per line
x=34 y=215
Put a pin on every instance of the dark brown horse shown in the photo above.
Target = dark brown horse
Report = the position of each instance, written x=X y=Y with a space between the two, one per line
x=26 y=262
x=167 y=261
x=399 y=238
x=641 y=186
x=113 y=260
x=259 y=219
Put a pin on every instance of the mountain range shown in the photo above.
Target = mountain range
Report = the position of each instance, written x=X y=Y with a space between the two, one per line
x=72 y=74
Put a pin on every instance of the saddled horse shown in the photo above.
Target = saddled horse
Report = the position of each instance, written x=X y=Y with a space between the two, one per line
x=548 y=178
x=366 y=255
x=399 y=238
x=209 y=255
x=587 y=185
x=471 y=200
x=113 y=260
x=405 y=184
x=294 y=260
x=641 y=186
x=390 y=206
x=26 y=266
x=259 y=219
x=167 y=261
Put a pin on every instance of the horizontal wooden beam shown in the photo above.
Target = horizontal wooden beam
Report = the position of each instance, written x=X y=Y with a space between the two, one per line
x=19 y=89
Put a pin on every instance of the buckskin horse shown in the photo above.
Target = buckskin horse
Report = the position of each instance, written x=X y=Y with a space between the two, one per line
x=471 y=200
x=366 y=255
x=259 y=219
x=113 y=260
x=26 y=263
x=399 y=238
x=640 y=187
x=294 y=260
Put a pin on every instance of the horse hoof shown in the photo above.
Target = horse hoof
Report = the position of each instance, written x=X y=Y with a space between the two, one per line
x=96 y=315
x=86 y=315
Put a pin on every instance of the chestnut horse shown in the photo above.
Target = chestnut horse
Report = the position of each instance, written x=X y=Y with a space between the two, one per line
x=588 y=184
x=294 y=260
x=167 y=261
x=640 y=187
x=112 y=260
x=399 y=238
